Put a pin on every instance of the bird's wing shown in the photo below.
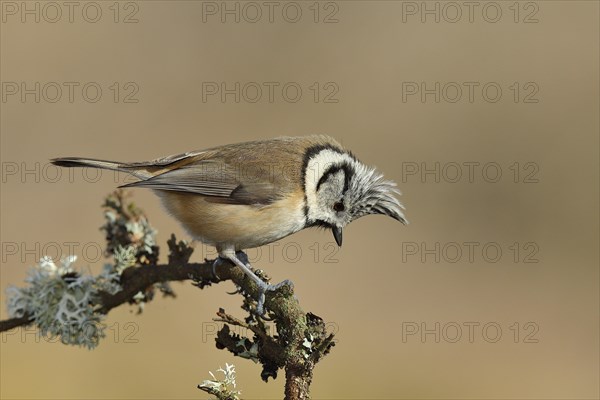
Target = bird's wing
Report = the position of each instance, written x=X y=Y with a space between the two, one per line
x=218 y=181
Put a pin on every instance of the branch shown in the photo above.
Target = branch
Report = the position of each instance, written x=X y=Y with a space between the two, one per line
x=12 y=323
x=301 y=340
x=133 y=280
x=289 y=317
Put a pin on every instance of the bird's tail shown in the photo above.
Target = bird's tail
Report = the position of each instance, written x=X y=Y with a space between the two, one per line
x=129 y=168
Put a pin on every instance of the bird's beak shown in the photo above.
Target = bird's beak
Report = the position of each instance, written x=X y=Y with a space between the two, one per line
x=337 y=234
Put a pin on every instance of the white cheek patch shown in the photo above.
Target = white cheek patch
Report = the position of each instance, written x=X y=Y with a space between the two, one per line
x=317 y=165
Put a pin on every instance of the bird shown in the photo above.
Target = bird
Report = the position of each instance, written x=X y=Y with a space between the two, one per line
x=245 y=195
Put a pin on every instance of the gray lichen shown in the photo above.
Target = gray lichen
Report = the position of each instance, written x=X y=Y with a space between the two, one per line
x=223 y=389
x=61 y=301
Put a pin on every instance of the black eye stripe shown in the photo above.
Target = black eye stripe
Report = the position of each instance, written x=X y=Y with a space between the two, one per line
x=334 y=169
x=349 y=172
x=330 y=171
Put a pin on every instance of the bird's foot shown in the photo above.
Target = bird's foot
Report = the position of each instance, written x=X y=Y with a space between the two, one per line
x=241 y=259
x=240 y=255
x=223 y=260
x=263 y=288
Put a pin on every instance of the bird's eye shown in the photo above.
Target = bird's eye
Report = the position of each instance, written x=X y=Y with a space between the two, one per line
x=339 y=206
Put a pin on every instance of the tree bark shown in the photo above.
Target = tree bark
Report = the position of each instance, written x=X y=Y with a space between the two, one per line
x=298 y=377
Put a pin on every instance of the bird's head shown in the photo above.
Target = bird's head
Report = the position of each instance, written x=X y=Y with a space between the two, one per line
x=340 y=189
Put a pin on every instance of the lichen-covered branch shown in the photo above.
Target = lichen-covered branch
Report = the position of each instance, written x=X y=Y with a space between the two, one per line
x=299 y=342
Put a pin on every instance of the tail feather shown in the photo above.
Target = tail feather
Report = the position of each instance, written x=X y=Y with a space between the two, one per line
x=70 y=162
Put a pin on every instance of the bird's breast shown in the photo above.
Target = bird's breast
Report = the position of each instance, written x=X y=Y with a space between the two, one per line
x=242 y=226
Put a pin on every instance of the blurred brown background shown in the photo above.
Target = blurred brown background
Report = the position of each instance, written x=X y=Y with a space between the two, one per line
x=386 y=286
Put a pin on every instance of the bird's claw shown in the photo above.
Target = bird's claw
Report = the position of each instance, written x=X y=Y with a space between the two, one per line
x=218 y=261
x=241 y=260
x=237 y=290
x=262 y=291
